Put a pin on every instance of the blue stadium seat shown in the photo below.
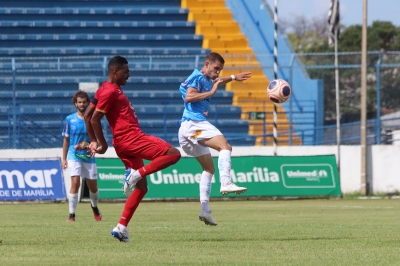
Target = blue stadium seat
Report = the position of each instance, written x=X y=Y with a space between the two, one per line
x=58 y=44
x=95 y=13
x=99 y=50
x=104 y=40
x=236 y=139
x=175 y=112
x=91 y=3
x=136 y=97
x=224 y=125
x=95 y=27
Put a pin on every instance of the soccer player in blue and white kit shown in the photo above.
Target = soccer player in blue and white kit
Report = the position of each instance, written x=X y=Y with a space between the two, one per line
x=197 y=135
x=76 y=156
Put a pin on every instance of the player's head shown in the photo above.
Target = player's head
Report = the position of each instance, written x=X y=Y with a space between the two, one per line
x=213 y=64
x=81 y=100
x=118 y=70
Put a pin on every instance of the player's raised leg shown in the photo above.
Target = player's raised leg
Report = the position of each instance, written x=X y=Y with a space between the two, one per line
x=224 y=167
x=220 y=144
x=159 y=152
x=132 y=176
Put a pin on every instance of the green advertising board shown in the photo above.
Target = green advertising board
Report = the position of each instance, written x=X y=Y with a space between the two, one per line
x=265 y=176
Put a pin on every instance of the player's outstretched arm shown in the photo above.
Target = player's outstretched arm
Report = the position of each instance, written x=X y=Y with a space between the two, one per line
x=193 y=95
x=238 y=77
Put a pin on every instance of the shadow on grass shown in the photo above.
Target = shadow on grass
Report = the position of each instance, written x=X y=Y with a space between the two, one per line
x=265 y=239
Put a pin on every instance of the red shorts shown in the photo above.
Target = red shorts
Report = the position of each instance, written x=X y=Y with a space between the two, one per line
x=132 y=152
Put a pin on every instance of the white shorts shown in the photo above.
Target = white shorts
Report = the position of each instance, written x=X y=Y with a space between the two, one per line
x=84 y=170
x=191 y=132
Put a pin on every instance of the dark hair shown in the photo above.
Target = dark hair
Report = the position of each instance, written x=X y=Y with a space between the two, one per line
x=80 y=94
x=212 y=57
x=117 y=62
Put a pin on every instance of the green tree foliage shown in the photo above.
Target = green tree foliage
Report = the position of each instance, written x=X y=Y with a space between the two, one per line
x=382 y=36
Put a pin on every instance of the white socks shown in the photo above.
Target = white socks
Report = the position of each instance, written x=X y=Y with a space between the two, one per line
x=94 y=198
x=136 y=176
x=72 y=201
x=205 y=189
x=224 y=166
x=122 y=228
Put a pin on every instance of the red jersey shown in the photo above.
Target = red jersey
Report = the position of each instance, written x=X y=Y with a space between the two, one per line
x=119 y=111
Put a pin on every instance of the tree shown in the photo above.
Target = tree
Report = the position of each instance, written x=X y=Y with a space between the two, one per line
x=381 y=36
x=305 y=33
x=311 y=36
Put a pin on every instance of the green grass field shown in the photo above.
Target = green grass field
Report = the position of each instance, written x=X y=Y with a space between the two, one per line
x=301 y=232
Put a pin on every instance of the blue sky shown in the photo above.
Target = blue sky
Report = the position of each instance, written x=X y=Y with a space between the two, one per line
x=350 y=10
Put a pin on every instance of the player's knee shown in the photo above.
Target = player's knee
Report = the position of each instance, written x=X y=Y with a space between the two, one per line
x=176 y=157
x=142 y=185
x=75 y=185
x=226 y=146
x=210 y=170
x=173 y=150
x=174 y=154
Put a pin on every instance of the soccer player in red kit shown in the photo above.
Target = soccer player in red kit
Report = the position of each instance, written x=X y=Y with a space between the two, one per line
x=130 y=143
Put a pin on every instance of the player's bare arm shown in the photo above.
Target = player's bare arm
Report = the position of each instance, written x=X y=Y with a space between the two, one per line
x=193 y=95
x=93 y=140
x=64 y=162
x=95 y=121
x=88 y=115
x=237 y=77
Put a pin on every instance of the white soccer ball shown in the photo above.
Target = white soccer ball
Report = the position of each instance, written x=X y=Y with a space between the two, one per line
x=279 y=91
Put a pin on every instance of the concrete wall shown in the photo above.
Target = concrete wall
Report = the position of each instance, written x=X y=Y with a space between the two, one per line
x=383 y=163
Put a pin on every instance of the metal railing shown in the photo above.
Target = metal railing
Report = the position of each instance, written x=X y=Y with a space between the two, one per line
x=28 y=75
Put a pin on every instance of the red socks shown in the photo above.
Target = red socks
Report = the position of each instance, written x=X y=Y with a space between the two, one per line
x=131 y=205
x=159 y=163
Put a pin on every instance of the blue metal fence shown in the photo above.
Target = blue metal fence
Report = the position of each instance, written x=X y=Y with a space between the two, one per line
x=35 y=94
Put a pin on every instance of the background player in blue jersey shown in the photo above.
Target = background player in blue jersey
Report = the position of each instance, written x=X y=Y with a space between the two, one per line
x=197 y=135
x=76 y=156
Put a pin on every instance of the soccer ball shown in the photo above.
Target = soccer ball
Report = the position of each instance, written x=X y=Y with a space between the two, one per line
x=279 y=91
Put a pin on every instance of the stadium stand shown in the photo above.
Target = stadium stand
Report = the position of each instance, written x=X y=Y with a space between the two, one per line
x=50 y=48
